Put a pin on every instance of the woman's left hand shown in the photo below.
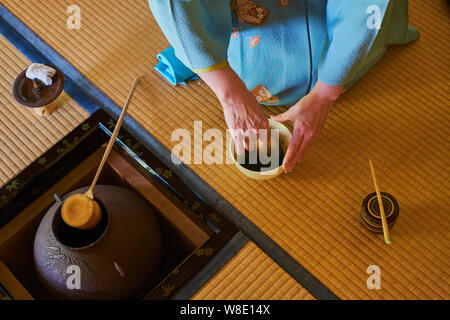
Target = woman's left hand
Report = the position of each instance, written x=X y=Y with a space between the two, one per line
x=308 y=117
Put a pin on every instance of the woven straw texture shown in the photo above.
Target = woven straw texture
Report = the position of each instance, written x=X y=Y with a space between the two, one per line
x=252 y=275
x=25 y=136
x=397 y=115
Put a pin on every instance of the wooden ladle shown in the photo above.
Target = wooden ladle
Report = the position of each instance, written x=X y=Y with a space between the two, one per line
x=81 y=211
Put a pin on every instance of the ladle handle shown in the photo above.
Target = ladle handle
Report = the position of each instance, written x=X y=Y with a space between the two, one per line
x=90 y=192
x=387 y=237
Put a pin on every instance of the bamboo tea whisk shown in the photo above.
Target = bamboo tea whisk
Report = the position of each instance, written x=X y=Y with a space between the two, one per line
x=81 y=211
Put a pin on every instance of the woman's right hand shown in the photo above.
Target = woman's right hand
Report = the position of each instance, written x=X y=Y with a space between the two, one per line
x=243 y=113
x=244 y=117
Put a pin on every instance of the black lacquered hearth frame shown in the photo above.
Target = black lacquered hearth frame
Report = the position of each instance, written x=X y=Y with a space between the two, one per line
x=84 y=140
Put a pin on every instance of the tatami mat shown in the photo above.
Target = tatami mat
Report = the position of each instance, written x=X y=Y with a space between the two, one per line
x=252 y=275
x=397 y=115
x=25 y=136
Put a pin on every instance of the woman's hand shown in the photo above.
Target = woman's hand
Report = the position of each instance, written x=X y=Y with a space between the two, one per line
x=243 y=113
x=308 y=117
x=244 y=117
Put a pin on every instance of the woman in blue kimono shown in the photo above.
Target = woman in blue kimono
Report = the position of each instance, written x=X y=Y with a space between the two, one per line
x=298 y=53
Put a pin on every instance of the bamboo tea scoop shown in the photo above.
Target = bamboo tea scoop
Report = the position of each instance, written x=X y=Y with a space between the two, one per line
x=387 y=237
x=81 y=211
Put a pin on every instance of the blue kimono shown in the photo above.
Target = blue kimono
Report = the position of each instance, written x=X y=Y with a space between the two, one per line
x=284 y=46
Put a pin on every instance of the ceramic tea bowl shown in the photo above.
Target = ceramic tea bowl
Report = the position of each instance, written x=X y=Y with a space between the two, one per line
x=285 y=137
